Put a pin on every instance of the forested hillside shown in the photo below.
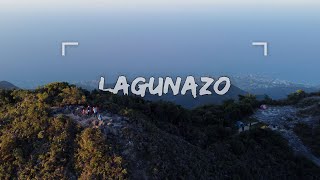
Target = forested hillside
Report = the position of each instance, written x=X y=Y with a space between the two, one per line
x=42 y=137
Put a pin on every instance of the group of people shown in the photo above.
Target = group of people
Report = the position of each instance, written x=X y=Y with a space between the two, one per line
x=91 y=111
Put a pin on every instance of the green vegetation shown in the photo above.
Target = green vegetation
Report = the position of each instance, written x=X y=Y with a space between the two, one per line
x=60 y=94
x=35 y=145
x=94 y=159
x=169 y=142
x=297 y=96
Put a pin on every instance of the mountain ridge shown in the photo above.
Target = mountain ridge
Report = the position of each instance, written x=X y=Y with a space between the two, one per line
x=186 y=101
x=7 y=85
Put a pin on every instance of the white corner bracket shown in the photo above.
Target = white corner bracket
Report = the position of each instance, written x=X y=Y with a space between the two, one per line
x=265 y=47
x=65 y=44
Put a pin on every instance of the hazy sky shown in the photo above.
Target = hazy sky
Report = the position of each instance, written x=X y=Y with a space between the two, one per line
x=151 y=4
x=159 y=37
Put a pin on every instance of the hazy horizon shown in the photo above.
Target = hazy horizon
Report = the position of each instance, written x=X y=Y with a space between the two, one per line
x=161 y=38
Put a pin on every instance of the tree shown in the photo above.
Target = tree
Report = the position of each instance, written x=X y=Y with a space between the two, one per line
x=95 y=159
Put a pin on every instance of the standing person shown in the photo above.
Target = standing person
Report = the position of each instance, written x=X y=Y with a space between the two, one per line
x=95 y=111
x=88 y=110
x=100 y=117
x=76 y=111
x=83 y=112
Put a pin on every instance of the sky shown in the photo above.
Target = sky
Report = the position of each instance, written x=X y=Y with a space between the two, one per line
x=149 y=3
x=160 y=38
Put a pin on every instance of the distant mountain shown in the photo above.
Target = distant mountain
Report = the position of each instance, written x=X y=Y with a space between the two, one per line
x=186 y=101
x=7 y=85
x=253 y=84
x=275 y=88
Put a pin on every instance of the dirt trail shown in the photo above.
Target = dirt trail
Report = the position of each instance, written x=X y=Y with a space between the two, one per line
x=283 y=120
